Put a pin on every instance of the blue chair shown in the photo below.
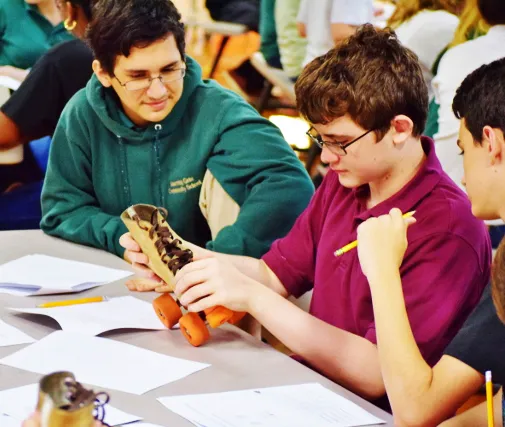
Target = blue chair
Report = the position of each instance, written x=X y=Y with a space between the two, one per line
x=20 y=208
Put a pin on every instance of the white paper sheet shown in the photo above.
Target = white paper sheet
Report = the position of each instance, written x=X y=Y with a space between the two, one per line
x=43 y=275
x=9 y=82
x=288 y=406
x=9 y=335
x=6 y=421
x=20 y=402
x=96 y=318
x=142 y=424
x=102 y=362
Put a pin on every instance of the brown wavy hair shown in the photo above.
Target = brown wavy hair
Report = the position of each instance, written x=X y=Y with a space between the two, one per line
x=371 y=77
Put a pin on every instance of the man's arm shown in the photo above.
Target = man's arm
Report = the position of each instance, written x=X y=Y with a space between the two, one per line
x=253 y=268
x=257 y=168
x=477 y=416
x=412 y=385
x=302 y=17
x=345 y=358
x=70 y=209
x=10 y=136
x=14 y=73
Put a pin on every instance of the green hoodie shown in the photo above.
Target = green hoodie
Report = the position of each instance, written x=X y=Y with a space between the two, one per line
x=100 y=164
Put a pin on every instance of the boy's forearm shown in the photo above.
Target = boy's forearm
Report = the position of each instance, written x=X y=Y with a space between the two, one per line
x=412 y=385
x=477 y=416
x=257 y=270
x=348 y=359
x=403 y=368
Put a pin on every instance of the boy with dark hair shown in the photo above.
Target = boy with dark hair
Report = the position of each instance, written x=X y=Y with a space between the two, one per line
x=367 y=103
x=420 y=394
x=148 y=129
x=457 y=63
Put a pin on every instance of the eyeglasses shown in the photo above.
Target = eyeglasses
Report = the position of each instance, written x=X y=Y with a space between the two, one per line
x=334 y=147
x=145 y=82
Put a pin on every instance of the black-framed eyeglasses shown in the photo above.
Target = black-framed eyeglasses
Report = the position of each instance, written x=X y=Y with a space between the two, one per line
x=334 y=147
x=146 y=82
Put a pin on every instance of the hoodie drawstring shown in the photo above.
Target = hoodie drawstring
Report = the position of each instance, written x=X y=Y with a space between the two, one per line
x=157 y=162
x=124 y=172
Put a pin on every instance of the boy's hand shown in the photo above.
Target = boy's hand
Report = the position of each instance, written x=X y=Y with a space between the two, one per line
x=148 y=280
x=213 y=281
x=382 y=243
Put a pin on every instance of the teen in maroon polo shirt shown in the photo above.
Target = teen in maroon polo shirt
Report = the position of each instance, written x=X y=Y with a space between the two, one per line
x=367 y=100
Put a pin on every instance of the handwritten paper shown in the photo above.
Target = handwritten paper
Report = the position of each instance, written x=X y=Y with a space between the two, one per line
x=96 y=318
x=102 y=362
x=9 y=335
x=288 y=406
x=20 y=402
x=43 y=275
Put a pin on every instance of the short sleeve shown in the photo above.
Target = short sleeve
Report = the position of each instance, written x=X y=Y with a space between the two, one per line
x=293 y=258
x=440 y=292
x=351 y=12
x=481 y=341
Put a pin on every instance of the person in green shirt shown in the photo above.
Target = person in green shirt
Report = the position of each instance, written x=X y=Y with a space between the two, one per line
x=148 y=129
x=28 y=29
x=281 y=45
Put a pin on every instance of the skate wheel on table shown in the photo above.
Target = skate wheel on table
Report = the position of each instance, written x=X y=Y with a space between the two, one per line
x=194 y=329
x=167 y=310
x=236 y=317
x=218 y=315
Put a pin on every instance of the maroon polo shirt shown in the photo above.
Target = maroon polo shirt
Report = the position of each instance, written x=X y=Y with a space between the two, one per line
x=445 y=269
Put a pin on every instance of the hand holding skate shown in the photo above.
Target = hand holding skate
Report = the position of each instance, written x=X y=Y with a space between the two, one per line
x=166 y=253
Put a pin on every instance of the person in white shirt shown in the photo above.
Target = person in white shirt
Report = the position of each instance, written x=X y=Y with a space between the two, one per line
x=326 y=23
x=455 y=65
x=426 y=28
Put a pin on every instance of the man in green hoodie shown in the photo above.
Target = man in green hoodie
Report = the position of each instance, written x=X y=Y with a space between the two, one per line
x=148 y=129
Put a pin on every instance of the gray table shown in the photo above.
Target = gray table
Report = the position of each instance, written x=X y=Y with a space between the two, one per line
x=238 y=360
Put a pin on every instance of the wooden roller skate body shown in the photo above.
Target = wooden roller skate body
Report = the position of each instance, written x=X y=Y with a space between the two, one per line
x=64 y=402
x=167 y=254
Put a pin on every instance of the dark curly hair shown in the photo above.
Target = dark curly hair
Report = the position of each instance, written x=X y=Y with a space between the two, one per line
x=120 y=25
x=479 y=99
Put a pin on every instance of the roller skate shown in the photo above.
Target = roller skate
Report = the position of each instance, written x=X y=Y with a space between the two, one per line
x=167 y=254
x=64 y=402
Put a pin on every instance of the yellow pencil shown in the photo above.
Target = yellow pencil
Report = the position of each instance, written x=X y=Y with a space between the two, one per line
x=354 y=244
x=489 y=399
x=72 y=302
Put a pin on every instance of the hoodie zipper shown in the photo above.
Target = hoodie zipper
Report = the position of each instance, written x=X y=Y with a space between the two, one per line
x=157 y=162
x=124 y=172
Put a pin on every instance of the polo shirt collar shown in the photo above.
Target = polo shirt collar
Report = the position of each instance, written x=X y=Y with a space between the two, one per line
x=412 y=193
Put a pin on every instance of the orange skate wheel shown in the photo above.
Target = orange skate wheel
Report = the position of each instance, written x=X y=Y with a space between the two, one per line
x=236 y=317
x=167 y=310
x=218 y=315
x=193 y=328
